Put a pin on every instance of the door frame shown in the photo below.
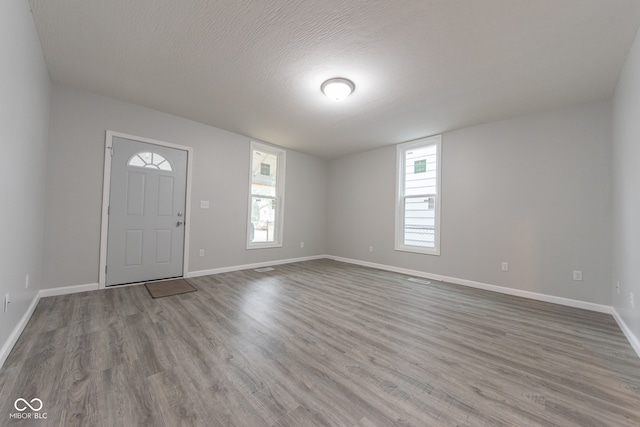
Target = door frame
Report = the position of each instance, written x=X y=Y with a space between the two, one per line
x=106 y=194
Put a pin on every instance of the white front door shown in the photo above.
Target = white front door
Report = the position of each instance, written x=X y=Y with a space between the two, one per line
x=145 y=239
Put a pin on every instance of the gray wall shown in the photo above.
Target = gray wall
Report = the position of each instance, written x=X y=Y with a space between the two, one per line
x=220 y=174
x=533 y=191
x=626 y=191
x=24 y=122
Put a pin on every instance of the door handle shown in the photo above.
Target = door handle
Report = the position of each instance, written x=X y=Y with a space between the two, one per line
x=179 y=223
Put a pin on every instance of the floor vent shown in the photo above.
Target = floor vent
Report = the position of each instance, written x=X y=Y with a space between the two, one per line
x=419 y=280
x=264 y=269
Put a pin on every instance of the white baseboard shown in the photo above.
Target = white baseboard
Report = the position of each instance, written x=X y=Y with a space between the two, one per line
x=13 y=338
x=631 y=337
x=252 y=266
x=487 y=287
x=65 y=290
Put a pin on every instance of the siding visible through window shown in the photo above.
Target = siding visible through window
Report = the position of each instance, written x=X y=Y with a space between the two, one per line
x=266 y=197
x=417 y=221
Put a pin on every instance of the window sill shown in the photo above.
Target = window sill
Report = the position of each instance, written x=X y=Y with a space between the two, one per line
x=263 y=245
x=418 y=250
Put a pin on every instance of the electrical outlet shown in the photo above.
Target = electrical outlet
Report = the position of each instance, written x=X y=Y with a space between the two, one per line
x=577 y=275
x=204 y=204
x=370 y=248
x=505 y=266
x=201 y=252
x=26 y=281
x=6 y=303
x=301 y=245
x=631 y=300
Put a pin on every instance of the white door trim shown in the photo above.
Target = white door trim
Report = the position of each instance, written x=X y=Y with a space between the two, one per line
x=106 y=190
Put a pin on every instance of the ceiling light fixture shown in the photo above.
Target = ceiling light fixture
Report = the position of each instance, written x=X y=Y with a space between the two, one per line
x=337 y=88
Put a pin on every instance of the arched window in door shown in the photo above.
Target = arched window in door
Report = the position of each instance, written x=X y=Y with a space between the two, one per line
x=150 y=160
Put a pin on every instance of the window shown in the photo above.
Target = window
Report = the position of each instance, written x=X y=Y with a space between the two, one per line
x=150 y=160
x=266 y=198
x=418 y=201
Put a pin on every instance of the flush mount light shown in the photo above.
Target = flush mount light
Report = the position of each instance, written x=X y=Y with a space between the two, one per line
x=337 y=88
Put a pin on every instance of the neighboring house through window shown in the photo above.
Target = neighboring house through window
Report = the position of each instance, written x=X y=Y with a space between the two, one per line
x=266 y=196
x=418 y=196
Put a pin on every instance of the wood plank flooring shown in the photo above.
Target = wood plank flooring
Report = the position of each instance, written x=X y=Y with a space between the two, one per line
x=319 y=343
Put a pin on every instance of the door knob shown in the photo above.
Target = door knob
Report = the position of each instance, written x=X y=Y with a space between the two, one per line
x=179 y=223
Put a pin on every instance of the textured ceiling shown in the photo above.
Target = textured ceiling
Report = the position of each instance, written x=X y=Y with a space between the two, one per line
x=420 y=67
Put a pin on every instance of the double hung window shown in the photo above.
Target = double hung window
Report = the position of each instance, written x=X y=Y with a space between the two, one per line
x=266 y=196
x=418 y=196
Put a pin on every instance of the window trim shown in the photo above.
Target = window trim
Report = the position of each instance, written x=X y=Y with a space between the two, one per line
x=280 y=180
x=401 y=149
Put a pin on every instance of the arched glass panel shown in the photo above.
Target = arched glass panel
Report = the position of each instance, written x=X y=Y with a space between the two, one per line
x=150 y=160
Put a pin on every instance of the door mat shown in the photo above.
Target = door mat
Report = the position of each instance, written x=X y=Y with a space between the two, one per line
x=168 y=288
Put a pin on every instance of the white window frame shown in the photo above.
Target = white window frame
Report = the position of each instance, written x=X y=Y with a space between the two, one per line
x=400 y=197
x=279 y=198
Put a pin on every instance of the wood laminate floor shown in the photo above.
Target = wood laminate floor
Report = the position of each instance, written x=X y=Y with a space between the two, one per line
x=319 y=343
